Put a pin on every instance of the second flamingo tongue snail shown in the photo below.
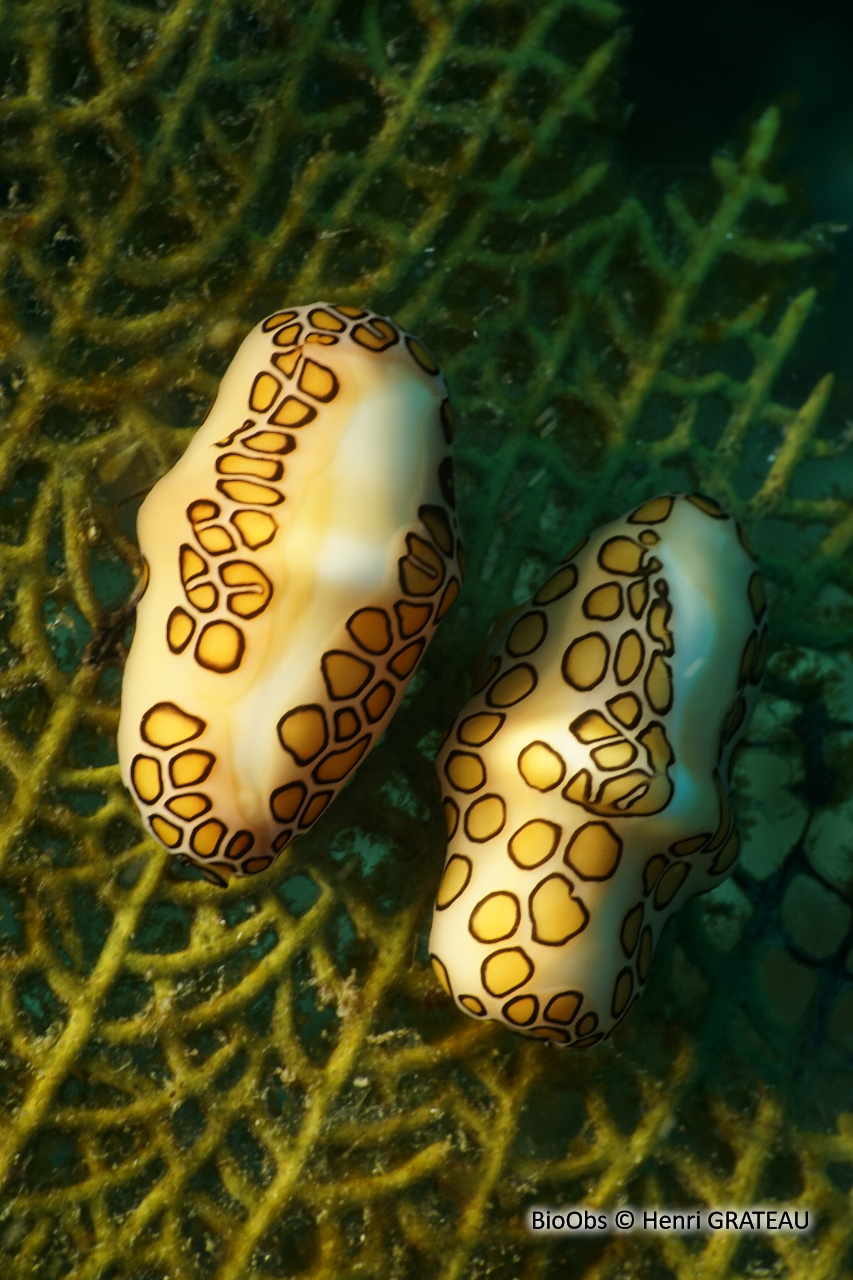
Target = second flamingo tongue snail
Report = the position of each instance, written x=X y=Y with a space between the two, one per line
x=585 y=784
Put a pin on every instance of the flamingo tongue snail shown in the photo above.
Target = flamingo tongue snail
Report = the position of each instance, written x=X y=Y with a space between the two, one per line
x=584 y=785
x=299 y=557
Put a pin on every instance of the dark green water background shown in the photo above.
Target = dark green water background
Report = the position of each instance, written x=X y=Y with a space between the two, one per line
x=696 y=73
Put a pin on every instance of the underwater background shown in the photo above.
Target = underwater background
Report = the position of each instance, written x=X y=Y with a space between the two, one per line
x=622 y=233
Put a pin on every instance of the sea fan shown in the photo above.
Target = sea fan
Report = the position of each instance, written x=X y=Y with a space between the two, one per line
x=268 y=1081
